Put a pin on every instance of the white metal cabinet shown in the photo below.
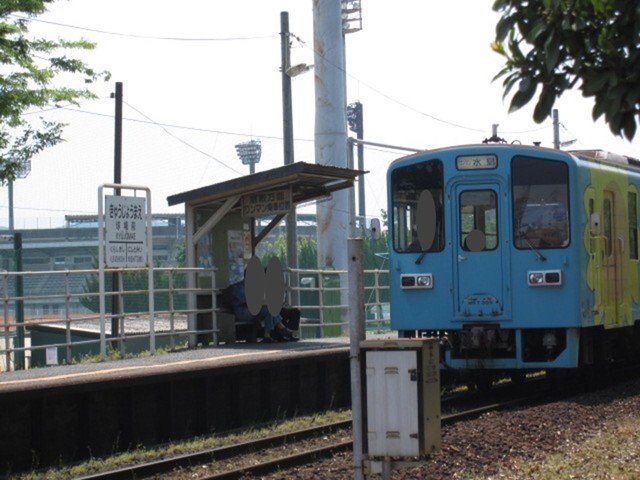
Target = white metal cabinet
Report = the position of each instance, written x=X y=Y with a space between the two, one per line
x=392 y=406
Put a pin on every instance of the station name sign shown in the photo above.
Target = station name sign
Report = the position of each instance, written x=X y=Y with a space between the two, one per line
x=266 y=203
x=125 y=232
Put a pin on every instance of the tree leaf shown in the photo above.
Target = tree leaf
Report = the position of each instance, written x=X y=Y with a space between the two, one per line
x=593 y=83
x=551 y=53
x=630 y=126
x=598 y=109
x=525 y=93
x=544 y=105
x=504 y=26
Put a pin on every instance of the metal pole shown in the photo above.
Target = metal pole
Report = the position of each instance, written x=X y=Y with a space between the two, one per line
x=117 y=179
x=353 y=229
x=10 y=186
x=287 y=125
x=19 y=355
x=101 y=280
x=117 y=154
x=556 y=129
x=356 y=335
x=360 y=136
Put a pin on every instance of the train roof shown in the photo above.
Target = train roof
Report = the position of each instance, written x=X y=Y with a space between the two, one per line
x=602 y=156
x=598 y=156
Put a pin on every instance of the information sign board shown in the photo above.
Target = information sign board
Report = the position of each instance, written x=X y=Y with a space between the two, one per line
x=266 y=203
x=125 y=232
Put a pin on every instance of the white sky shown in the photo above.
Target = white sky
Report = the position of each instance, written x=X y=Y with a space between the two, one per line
x=419 y=67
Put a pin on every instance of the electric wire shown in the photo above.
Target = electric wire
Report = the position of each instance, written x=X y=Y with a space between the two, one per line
x=183 y=127
x=404 y=104
x=184 y=142
x=145 y=37
x=383 y=94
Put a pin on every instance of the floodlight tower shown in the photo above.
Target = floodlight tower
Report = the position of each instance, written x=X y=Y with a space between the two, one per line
x=249 y=153
x=23 y=170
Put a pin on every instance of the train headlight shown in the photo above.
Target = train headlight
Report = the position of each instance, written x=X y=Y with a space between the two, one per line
x=536 y=278
x=546 y=278
x=422 y=280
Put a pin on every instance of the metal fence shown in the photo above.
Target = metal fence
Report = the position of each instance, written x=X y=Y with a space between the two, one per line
x=53 y=317
x=322 y=299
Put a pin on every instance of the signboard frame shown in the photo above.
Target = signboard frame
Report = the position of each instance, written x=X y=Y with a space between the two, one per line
x=102 y=254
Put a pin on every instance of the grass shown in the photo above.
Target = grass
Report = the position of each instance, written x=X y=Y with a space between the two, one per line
x=612 y=454
x=142 y=454
x=113 y=355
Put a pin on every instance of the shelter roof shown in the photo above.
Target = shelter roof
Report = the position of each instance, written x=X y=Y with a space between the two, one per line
x=308 y=181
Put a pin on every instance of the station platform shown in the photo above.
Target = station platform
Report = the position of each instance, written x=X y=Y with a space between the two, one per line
x=206 y=357
x=69 y=413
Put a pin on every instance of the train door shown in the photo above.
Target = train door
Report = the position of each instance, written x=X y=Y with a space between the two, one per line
x=611 y=257
x=477 y=249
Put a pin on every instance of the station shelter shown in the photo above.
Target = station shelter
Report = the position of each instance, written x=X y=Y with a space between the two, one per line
x=220 y=219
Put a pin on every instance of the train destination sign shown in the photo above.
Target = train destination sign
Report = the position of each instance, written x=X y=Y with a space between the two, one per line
x=266 y=203
x=476 y=162
x=125 y=232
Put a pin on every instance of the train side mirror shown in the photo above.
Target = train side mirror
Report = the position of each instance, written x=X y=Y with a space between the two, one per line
x=375 y=228
x=594 y=224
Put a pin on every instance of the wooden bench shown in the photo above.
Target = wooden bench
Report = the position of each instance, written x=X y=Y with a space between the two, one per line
x=230 y=329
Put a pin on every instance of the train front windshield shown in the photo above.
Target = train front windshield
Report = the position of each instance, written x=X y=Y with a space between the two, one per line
x=407 y=184
x=540 y=203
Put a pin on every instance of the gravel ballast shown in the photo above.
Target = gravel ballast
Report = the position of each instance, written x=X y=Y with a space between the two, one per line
x=491 y=446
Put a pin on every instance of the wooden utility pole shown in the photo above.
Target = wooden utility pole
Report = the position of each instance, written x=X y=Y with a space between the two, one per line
x=287 y=125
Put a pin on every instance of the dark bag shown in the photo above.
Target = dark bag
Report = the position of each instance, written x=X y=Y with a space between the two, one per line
x=290 y=317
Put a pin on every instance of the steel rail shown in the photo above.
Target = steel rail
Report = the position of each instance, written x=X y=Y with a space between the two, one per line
x=304 y=458
x=159 y=467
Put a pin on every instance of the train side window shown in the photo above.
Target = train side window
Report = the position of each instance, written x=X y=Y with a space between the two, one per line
x=633 y=225
x=478 y=211
x=540 y=203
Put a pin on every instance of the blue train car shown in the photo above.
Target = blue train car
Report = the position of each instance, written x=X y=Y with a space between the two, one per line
x=520 y=257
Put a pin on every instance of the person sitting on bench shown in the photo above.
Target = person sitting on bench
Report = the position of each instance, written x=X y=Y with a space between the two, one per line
x=274 y=329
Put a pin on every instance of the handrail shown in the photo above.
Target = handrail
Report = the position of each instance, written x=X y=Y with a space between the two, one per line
x=62 y=309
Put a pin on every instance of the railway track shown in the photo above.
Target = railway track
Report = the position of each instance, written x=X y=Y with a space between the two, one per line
x=288 y=450
x=283 y=451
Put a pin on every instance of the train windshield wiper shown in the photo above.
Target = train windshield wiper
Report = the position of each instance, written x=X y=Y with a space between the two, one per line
x=540 y=256
x=421 y=257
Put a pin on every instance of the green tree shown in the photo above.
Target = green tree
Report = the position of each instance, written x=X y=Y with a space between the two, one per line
x=307 y=251
x=136 y=282
x=552 y=45
x=30 y=68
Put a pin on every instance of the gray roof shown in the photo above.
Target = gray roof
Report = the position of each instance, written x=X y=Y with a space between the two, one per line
x=308 y=181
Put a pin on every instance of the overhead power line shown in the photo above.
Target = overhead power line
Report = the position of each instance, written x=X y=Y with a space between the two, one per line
x=385 y=95
x=171 y=125
x=399 y=102
x=183 y=141
x=145 y=37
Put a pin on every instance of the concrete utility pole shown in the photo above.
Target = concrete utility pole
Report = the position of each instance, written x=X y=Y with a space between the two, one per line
x=331 y=129
x=556 y=129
